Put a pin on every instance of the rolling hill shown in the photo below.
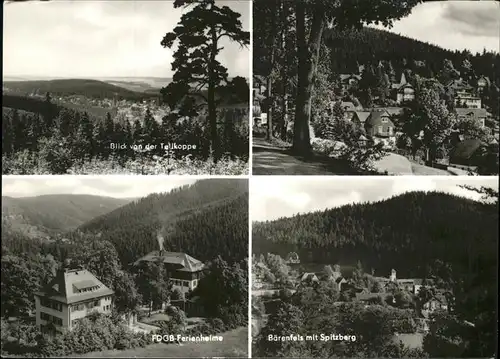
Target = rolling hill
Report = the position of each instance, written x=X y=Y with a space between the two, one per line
x=84 y=87
x=206 y=219
x=406 y=232
x=51 y=214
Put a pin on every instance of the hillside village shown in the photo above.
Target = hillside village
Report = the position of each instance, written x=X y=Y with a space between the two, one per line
x=420 y=296
x=383 y=117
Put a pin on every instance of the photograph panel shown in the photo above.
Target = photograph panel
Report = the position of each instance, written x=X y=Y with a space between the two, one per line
x=406 y=88
x=381 y=267
x=124 y=266
x=126 y=87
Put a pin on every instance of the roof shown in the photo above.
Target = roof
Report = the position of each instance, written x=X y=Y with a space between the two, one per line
x=349 y=106
x=403 y=86
x=362 y=115
x=390 y=110
x=458 y=84
x=466 y=149
x=65 y=286
x=259 y=79
x=476 y=112
x=348 y=76
x=375 y=118
x=309 y=275
x=368 y=296
x=188 y=263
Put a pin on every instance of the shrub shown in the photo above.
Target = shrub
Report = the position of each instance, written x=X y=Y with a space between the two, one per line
x=217 y=325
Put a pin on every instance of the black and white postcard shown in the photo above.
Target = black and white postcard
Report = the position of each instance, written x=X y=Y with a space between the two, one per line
x=375 y=87
x=127 y=266
x=125 y=87
x=374 y=267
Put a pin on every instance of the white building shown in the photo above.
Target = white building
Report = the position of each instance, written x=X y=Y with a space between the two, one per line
x=69 y=297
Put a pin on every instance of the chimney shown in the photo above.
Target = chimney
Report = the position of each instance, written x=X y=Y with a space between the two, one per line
x=393 y=275
x=160 y=239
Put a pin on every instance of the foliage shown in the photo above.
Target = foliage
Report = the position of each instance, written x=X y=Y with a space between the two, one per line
x=223 y=292
x=71 y=141
x=195 y=62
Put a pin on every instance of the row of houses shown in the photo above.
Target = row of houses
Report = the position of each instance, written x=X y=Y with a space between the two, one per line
x=74 y=294
x=411 y=285
x=465 y=95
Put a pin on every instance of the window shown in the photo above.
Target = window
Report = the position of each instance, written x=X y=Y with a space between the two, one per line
x=380 y=129
x=52 y=304
x=50 y=318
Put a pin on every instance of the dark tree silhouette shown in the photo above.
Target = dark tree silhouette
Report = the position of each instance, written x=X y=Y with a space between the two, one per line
x=196 y=67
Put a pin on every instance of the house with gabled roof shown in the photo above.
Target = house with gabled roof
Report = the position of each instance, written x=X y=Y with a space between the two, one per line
x=71 y=296
x=349 y=82
x=403 y=91
x=380 y=128
x=182 y=270
x=309 y=277
x=478 y=114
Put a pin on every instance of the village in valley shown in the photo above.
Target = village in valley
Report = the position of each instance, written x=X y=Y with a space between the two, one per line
x=395 y=269
x=272 y=276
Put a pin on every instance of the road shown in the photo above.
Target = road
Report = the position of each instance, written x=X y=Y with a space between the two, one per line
x=273 y=160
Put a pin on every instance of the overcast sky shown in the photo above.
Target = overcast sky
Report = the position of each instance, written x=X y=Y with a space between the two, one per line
x=275 y=197
x=108 y=186
x=454 y=25
x=71 y=38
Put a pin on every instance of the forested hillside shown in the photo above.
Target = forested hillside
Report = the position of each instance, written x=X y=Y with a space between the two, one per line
x=206 y=219
x=408 y=233
x=351 y=48
x=51 y=214
x=84 y=87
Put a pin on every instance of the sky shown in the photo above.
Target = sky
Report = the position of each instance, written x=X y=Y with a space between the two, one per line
x=101 y=38
x=454 y=25
x=275 y=197
x=106 y=186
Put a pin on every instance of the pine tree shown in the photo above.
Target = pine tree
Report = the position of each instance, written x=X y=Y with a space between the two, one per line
x=195 y=61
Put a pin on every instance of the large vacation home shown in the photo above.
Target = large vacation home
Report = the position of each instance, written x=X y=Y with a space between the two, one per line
x=69 y=297
x=183 y=270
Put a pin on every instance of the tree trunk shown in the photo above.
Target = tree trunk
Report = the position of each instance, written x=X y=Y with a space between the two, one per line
x=269 y=76
x=284 y=68
x=212 y=109
x=308 y=55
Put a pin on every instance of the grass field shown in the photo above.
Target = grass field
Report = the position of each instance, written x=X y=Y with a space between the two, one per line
x=233 y=345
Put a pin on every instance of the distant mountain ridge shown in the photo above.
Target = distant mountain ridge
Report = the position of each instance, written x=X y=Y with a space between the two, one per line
x=52 y=214
x=406 y=232
x=85 y=87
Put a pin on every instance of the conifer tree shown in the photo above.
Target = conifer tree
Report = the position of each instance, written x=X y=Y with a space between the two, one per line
x=199 y=75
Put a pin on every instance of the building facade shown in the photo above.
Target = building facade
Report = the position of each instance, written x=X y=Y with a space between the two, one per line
x=71 y=296
x=182 y=270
